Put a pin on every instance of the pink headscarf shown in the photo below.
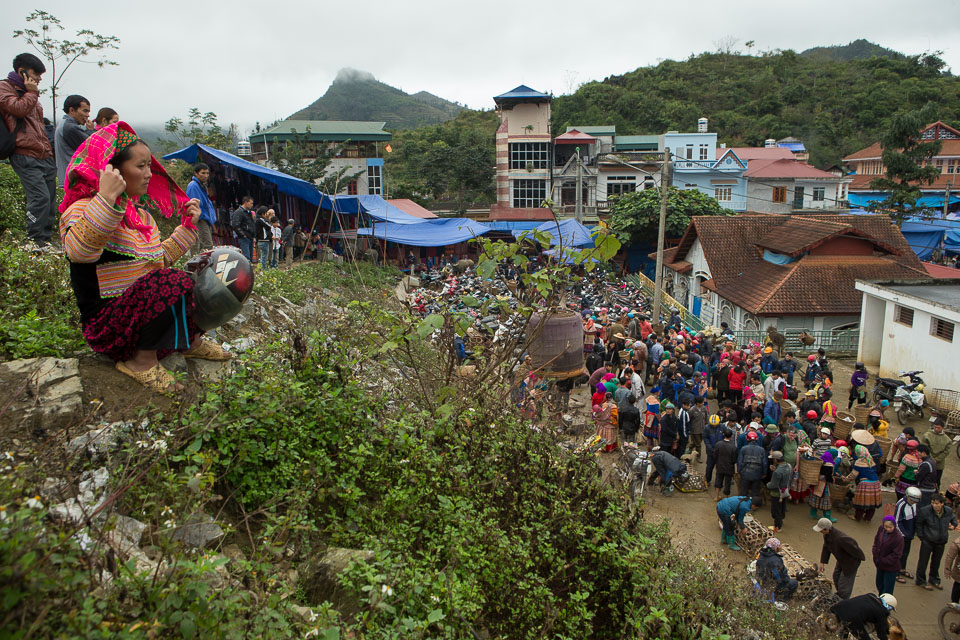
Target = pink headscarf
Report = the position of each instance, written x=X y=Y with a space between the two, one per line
x=163 y=195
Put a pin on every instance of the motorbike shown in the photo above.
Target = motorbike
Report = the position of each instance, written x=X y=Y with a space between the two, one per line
x=886 y=388
x=908 y=401
x=634 y=469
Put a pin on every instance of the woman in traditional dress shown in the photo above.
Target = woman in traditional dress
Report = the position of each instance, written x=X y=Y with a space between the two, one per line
x=134 y=307
x=906 y=475
x=599 y=394
x=867 y=498
x=651 y=418
x=605 y=417
x=819 y=498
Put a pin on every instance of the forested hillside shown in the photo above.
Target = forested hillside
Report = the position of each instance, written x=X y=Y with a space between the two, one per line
x=857 y=50
x=835 y=107
x=357 y=95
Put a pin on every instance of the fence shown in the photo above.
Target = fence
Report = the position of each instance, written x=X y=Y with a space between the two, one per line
x=647 y=285
x=834 y=341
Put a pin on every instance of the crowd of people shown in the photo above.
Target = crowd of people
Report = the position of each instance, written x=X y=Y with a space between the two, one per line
x=752 y=413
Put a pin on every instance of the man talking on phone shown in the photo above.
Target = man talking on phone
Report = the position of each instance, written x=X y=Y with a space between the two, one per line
x=31 y=154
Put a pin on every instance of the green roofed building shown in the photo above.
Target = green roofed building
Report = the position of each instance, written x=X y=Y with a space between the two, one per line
x=363 y=146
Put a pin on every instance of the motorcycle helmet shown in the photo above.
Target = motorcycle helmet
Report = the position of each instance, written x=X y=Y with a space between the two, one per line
x=811 y=358
x=840 y=443
x=811 y=415
x=914 y=492
x=844 y=451
x=751 y=435
x=860 y=366
x=223 y=280
x=889 y=600
x=714 y=420
x=920 y=387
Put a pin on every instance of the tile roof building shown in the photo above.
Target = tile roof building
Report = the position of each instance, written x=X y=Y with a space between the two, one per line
x=790 y=271
x=867 y=165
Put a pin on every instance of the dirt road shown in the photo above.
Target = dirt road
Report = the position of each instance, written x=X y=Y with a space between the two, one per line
x=693 y=521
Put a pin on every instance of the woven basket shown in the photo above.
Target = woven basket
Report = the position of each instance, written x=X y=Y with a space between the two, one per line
x=861 y=412
x=844 y=425
x=625 y=355
x=810 y=471
x=885 y=444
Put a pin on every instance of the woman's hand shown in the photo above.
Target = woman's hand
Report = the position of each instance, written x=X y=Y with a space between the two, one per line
x=193 y=210
x=112 y=184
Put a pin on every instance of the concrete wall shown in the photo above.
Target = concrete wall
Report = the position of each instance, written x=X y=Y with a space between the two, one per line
x=871 y=329
x=906 y=348
x=536 y=115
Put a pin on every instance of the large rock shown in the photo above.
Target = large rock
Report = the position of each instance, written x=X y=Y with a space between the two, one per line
x=47 y=393
x=198 y=531
x=97 y=443
x=320 y=579
x=209 y=369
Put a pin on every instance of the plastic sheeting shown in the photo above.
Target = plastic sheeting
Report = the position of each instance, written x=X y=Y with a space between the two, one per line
x=569 y=233
x=429 y=233
x=382 y=211
x=285 y=183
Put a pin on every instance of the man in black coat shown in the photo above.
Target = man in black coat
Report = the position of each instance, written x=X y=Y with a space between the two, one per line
x=725 y=453
x=933 y=522
x=629 y=419
x=854 y=614
x=847 y=552
x=669 y=428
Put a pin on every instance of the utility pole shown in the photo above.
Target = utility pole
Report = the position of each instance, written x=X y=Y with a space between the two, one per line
x=665 y=171
x=946 y=202
x=578 y=211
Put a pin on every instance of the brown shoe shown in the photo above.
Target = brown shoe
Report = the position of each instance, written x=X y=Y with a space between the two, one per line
x=207 y=350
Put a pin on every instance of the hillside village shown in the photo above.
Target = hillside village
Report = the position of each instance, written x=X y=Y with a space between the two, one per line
x=396 y=368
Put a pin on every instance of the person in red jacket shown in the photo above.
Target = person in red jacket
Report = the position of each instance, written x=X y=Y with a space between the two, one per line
x=736 y=377
x=32 y=158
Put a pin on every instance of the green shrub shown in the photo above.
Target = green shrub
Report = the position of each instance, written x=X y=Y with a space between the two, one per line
x=13 y=205
x=39 y=316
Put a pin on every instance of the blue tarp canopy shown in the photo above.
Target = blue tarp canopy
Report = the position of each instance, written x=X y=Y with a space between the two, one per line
x=429 y=233
x=382 y=211
x=924 y=236
x=513 y=225
x=567 y=255
x=285 y=183
x=569 y=233
x=865 y=199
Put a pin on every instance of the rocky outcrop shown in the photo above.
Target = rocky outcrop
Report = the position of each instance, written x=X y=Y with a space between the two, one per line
x=47 y=394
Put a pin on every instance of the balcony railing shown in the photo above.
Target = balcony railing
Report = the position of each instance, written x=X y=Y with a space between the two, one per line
x=631 y=157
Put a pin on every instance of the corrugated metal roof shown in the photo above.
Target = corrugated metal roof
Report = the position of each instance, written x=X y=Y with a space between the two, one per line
x=596 y=130
x=328 y=130
x=523 y=91
x=636 y=143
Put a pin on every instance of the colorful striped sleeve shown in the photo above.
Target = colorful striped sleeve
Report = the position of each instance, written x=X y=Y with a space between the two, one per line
x=178 y=244
x=86 y=226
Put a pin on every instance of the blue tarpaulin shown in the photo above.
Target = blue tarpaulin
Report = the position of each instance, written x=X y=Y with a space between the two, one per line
x=429 y=233
x=569 y=233
x=382 y=211
x=513 y=225
x=865 y=199
x=285 y=183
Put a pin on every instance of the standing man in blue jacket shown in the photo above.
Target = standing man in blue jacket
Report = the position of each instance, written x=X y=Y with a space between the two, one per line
x=208 y=215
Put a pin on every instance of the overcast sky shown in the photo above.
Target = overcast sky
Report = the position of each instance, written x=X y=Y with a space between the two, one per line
x=253 y=61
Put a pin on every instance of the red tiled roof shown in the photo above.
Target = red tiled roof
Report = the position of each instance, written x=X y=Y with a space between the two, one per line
x=951 y=147
x=574 y=136
x=818 y=285
x=940 y=271
x=862 y=182
x=763 y=153
x=412 y=208
x=785 y=169
x=799 y=234
x=500 y=212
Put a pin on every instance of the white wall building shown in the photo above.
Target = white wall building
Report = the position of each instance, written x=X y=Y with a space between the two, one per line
x=912 y=324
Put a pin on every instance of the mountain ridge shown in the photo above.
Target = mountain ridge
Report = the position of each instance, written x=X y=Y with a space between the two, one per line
x=358 y=95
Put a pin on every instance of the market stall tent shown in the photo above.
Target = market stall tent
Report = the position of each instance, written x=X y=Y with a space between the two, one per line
x=428 y=233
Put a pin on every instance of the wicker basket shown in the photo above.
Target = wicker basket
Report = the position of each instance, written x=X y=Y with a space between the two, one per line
x=861 y=412
x=885 y=444
x=625 y=355
x=810 y=471
x=844 y=425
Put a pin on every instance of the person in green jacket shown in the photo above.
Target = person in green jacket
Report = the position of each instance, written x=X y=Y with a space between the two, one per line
x=939 y=444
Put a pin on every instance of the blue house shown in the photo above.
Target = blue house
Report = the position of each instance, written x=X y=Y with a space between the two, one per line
x=699 y=164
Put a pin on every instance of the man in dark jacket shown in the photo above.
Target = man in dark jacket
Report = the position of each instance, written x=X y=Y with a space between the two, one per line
x=263 y=233
x=780 y=478
x=628 y=418
x=787 y=367
x=772 y=573
x=712 y=434
x=752 y=464
x=926 y=474
x=669 y=428
x=668 y=467
x=725 y=453
x=847 y=552
x=286 y=240
x=699 y=414
x=933 y=522
x=242 y=222
x=854 y=614
x=32 y=158
x=71 y=132
x=594 y=361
